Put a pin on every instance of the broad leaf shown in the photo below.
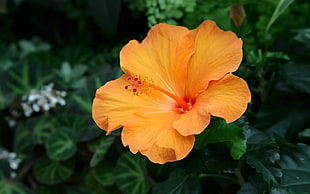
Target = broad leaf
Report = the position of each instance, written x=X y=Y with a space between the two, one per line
x=130 y=174
x=219 y=131
x=7 y=187
x=262 y=165
x=73 y=122
x=61 y=145
x=22 y=146
x=42 y=129
x=52 y=172
x=13 y=188
x=179 y=183
x=255 y=185
x=100 y=147
x=103 y=173
x=297 y=75
x=295 y=164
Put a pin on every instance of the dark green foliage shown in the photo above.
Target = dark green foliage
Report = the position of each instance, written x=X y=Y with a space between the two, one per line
x=76 y=44
x=131 y=174
x=231 y=134
x=52 y=172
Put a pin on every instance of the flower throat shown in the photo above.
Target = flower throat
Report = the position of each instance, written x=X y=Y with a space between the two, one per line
x=137 y=85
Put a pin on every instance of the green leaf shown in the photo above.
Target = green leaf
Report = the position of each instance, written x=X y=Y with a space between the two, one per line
x=86 y=104
x=105 y=14
x=101 y=147
x=281 y=7
x=92 y=132
x=303 y=36
x=219 y=131
x=130 y=174
x=79 y=70
x=73 y=122
x=61 y=145
x=52 y=172
x=50 y=189
x=66 y=71
x=254 y=185
x=295 y=165
x=78 y=83
x=263 y=159
x=262 y=155
x=13 y=188
x=103 y=173
x=26 y=47
x=298 y=75
x=305 y=134
x=22 y=146
x=179 y=183
x=42 y=129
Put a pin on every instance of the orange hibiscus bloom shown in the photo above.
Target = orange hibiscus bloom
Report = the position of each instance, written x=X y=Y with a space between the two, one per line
x=173 y=81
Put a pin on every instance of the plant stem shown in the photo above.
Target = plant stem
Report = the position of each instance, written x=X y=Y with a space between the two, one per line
x=239 y=176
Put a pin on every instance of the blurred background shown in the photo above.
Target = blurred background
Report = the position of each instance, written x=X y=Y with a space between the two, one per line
x=54 y=54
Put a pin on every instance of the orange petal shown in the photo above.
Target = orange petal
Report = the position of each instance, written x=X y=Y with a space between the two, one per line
x=217 y=53
x=113 y=104
x=226 y=98
x=193 y=122
x=162 y=57
x=154 y=136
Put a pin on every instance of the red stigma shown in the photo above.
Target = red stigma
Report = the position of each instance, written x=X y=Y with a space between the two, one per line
x=135 y=85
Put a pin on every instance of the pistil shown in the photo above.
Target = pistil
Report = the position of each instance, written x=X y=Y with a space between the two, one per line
x=138 y=84
x=185 y=106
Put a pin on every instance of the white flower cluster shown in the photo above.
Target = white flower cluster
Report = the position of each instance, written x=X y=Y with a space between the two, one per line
x=42 y=100
x=12 y=160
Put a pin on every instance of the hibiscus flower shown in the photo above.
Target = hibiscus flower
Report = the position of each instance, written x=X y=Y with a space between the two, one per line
x=173 y=81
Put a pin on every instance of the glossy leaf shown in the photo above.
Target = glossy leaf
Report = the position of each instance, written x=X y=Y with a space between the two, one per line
x=295 y=165
x=130 y=174
x=52 y=172
x=61 y=145
x=297 y=75
x=179 y=183
x=219 y=131
x=262 y=165
x=255 y=185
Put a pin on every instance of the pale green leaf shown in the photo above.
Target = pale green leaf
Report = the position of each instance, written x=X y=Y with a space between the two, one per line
x=281 y=7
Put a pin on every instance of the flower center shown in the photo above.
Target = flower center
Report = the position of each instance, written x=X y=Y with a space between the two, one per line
x=137 y=85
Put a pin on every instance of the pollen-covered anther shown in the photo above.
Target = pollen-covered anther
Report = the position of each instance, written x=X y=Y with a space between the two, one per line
x=137 y=85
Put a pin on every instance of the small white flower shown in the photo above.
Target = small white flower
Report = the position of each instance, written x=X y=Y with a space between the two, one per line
x=42 y=100
x=36 y=108
x=11 y=123
x=62 y=102
x=13 y=174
